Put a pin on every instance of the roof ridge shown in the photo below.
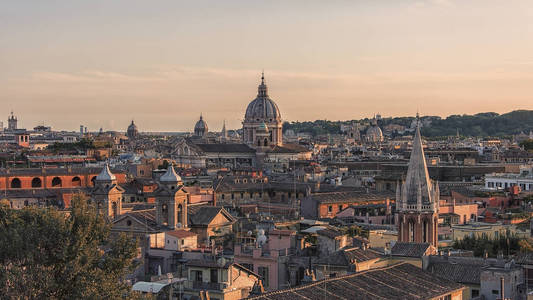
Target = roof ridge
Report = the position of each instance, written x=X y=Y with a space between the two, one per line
x=331 y=279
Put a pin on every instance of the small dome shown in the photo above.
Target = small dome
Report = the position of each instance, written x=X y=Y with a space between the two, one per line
x=234 y=133
x=200 y=128
x=262 y=107
x=170 y=176
x=374 y=133
x=132 y=130
x=106 y=174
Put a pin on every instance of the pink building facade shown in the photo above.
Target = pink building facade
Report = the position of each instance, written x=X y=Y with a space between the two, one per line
x=269 y=261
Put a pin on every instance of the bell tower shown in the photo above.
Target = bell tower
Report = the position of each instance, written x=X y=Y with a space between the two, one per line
x=171 y=201
x=12 y=122
x=417 y=201
x=107 y=193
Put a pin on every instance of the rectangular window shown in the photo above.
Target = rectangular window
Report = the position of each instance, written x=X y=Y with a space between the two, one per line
x=475 y=293
x=330 y=208
x=214 y=275
x=263 y=272
x=495 y=292
x=196 y=275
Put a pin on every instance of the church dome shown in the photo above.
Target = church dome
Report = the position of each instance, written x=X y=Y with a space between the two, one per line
x=374 y=133
x=200 y=128
x=262 y=108
x=132 y=130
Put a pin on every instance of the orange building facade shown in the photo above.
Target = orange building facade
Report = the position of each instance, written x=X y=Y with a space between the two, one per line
x=53 y=178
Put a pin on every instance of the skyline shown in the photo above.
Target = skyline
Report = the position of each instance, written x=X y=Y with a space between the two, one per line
x=102 y=64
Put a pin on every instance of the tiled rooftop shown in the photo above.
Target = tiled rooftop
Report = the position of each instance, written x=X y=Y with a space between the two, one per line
x=401 y=281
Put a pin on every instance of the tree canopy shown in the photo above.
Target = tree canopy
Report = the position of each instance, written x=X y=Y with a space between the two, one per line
x=504 y=244
x=49 y=254
x=488 y=124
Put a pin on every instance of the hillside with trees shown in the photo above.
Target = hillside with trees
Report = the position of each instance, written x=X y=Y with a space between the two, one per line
x=488 y=124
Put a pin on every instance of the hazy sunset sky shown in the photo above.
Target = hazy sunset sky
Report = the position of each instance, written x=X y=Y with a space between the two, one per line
x=162 y=63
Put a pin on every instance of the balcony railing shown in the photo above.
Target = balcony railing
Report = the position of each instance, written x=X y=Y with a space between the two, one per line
x=200 y=285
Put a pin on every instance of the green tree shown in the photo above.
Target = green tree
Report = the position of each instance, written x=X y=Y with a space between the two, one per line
x=505 y=244
x=48 y=254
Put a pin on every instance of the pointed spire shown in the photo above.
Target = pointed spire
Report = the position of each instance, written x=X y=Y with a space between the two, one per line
x=417 y=183
x=105 y=174
x=263 y=77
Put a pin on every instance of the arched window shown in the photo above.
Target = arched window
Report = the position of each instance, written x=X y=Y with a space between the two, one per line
x=411 y=231
x=180 y=214
x=15 y=183
x=259 y=143
x=76 y=181
x=36 y=182
x=164 y=210
x=114 y=211
x=56 y=182
x=93 y=180
x=266 y=142
x=425 y=232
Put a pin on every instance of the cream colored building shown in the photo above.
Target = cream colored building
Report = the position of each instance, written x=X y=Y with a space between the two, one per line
x=491 y=230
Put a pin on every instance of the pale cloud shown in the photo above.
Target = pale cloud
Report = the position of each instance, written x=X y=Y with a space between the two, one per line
x=185 y=73
x=89 y=76
x=422 y=5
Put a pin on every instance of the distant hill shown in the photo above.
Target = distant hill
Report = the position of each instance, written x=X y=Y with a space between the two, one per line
x=478 y=125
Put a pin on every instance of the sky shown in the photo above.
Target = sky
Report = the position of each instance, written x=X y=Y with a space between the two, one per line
x=163 y=63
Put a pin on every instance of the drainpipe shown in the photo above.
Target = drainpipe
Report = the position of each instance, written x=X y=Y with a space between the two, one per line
x=502 y=291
